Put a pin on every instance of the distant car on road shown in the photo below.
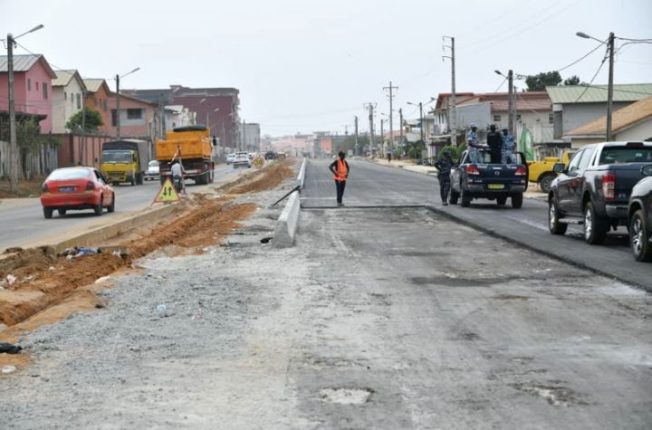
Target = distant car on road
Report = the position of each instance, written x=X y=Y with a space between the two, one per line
x=76 y=188
x=241 y=160
x=488 y=181
x=640 y=217
x=270 y=155
x=230 y=158
x=595 y=188
x=153 y=171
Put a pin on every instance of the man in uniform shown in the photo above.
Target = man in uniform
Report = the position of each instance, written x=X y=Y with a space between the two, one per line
x=473 y=143
x=508 y=147
x=340 y=169
x=444 y=166
x=495 y=143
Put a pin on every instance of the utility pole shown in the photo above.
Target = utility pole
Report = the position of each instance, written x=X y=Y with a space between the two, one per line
x=400 y=117
x=355 y=139
x=420 y=130
x=117 y=106
x=511 y=105
x=370 y=106
x=243 y=144
x=452 y=114
x=13 y=158
x=610 y=89
x=391 y=112
x=382 y=137
x=83 y=127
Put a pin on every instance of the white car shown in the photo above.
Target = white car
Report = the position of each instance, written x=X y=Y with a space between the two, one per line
x=230 y=157
x=153 y=171
x=241 y=160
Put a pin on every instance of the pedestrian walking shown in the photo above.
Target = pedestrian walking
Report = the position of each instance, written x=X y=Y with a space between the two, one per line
x=444 y=166
x=340 y=169
x=473 y=143
x=495 y=143
x=508 y=147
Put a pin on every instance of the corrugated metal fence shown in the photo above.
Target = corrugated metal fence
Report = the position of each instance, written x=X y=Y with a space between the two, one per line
x=36 y=164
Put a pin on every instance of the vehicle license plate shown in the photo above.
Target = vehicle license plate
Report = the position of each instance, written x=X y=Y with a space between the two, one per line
x=496 y=186
x=67 y=189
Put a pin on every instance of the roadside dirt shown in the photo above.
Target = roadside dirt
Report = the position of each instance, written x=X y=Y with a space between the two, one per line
x=25 y=188
x=48 y=288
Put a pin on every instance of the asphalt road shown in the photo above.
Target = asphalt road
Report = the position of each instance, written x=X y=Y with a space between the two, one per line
x=23 y=222
x=374 y=185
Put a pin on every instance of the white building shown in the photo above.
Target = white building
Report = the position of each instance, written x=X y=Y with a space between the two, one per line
x=250 y=136
x=68 y=93
x=178 y=116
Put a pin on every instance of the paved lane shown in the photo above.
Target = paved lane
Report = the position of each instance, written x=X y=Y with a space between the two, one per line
x=23 y=223
x=374 y=185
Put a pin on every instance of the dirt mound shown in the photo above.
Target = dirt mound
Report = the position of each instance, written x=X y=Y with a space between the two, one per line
x=264 y=180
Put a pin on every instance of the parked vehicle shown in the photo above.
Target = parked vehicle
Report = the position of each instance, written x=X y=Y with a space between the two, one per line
x=125 y=160
x=270 y=155
x=640 y=217
x=153 y=171
x=76 y=188
x=542 y=171
x=194 y=147
x=241 y=160
x=230 y=157
x=595 y=188
x=489 y=181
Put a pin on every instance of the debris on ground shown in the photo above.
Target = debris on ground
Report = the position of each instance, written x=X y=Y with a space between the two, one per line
x=9 y=348
x=8 y=369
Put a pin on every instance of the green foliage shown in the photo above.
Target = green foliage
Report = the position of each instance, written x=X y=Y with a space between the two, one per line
x=573 y=80
x=92 y=121
x=456 y=151
x=542 y=80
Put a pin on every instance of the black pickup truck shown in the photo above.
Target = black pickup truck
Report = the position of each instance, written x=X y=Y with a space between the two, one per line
x=488 y=181
x=594 y=190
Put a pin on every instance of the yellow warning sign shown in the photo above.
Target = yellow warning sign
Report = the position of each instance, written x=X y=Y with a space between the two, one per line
x=167 y=194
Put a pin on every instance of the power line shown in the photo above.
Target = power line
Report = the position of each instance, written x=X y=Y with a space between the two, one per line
x=604 y=59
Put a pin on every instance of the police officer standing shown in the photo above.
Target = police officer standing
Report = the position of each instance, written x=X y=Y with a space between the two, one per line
x=444 y=166
x=495 y=142
x=508 y=147
x=473 y=143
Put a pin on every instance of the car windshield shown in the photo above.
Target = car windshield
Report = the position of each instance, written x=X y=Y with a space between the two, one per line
x=153 y=163
x=116 y=157
x=67 y=174
x=625 y=154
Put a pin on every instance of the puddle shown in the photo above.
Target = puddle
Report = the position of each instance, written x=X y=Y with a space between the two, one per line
x=346 y=396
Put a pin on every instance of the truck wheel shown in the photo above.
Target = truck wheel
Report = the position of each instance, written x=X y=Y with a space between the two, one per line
x=139 y=179
x=466 y=199
x=132 y=180
x=501 y=200
x=454 y=197
x=517 y=200
x=554 y=225
x=639 y=238
x=595 y=228
x=545 y=181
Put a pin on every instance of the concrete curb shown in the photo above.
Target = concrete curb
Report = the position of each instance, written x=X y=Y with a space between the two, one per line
x=302 y=174
x=287 y=223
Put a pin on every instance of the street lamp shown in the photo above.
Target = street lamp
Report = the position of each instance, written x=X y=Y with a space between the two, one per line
x=13 y=145
x=117 y=99
x=510 y=100
x=610 y=87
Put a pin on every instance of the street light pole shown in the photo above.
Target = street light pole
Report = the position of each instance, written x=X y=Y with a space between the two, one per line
x=117 y=100
x=610 y=89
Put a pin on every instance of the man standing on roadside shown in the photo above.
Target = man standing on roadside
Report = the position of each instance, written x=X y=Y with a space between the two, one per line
x=444 y=166
x=340 y=169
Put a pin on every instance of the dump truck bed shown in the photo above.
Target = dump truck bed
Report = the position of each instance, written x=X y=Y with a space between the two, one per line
x=187 y=144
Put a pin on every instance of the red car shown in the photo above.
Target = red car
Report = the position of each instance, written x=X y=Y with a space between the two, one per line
x=76 y=188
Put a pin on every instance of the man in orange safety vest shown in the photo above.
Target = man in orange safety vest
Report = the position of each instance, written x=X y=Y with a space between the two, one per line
x=340 y=169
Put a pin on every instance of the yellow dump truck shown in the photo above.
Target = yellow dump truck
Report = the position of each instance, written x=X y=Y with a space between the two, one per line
x=541 y=171
x=193 y=147
x=125 y=160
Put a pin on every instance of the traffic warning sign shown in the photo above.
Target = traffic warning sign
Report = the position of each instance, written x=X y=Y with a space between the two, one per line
x=167 y=194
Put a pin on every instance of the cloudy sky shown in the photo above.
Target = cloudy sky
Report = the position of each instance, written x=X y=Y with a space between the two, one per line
x=306 y=65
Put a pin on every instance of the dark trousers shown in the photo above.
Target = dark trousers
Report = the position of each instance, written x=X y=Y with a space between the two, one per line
x=444 y=188
x=339 y=185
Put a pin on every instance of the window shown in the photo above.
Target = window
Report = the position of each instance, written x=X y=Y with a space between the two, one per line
x=45 y=90
x=586 y=158
x=114 y=121
x=575 y=162
x=104 y=106
x=616 y=155
x=78 y=101
x=65 y=95
x=29 y=85
x=134 y=113
x=497 y=118
x=36 y=83
x=551 y=118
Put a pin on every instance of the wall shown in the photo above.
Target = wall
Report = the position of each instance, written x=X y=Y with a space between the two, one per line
x=641 y=131
x=223 y=123
x=478 y=113
x=29 y=101
x=64 y=104
x=132 y=127
x=73 y=150
x=99 y=101
x=576 y=115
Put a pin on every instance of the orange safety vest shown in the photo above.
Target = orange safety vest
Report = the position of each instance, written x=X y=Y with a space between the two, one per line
x=341 y=171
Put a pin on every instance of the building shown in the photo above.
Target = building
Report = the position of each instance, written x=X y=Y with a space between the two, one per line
x=633 y=122
x=97 y=98
x=576 y=105
x=178 y=116
x=32 y=88
x=68 y=93
x=138 y=118
x=250 y=136
x=216 y=108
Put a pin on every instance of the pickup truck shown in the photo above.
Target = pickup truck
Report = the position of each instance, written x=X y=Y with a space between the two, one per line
x=640 y=217
x=490 y=181
x=594 y=189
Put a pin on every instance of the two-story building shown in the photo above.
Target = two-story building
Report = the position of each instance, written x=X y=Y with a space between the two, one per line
x=137 y=117
x=98 y=94
x=32 y=88
x=68 y=93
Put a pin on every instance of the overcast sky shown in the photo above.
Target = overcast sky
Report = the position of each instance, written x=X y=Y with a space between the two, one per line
x=307 y=65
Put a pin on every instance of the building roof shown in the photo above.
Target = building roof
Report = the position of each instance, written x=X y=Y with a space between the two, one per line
x=65 y=76
x=93 y=85
x=443 y=97
x=621 y=119
x=24 y=63
x=532 y=101
x=598 y=93
x=166 y=94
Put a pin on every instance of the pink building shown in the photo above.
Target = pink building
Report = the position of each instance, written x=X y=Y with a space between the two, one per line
x=32 y=88
x=137 y=117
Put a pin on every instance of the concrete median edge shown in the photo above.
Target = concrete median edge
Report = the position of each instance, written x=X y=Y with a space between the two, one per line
x=288 y=221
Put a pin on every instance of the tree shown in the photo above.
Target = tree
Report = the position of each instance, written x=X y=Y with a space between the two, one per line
x=573 y=80
x=30 y=142
x=542 y=80
x=92 y=122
